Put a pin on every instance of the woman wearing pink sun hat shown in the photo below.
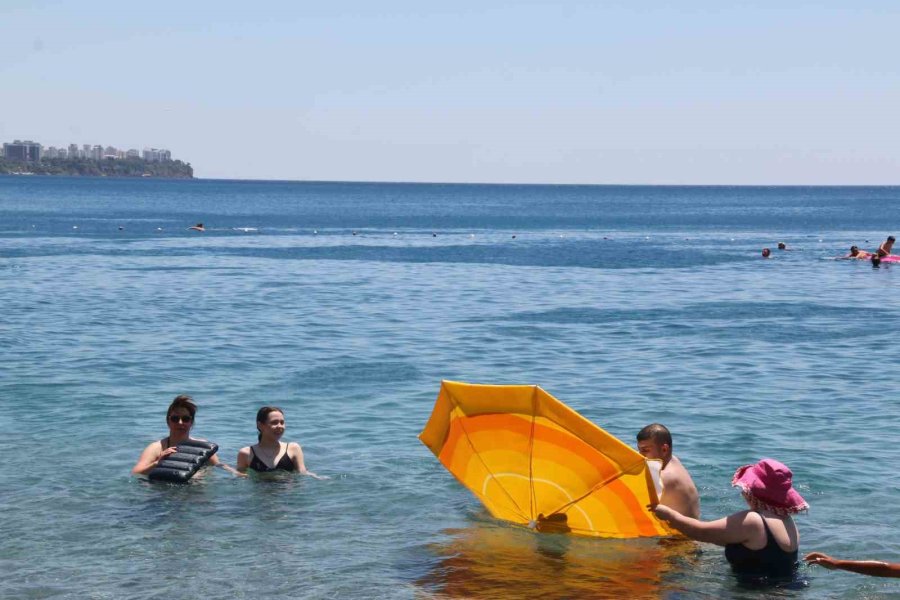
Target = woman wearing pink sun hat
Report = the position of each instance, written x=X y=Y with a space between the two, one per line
x=762 y=540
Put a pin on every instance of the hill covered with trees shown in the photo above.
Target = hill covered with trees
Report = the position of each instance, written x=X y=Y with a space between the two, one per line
x=123 y=167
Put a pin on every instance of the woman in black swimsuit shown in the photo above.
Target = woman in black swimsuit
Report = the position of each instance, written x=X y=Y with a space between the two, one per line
x=271 y=454
x=763 y=540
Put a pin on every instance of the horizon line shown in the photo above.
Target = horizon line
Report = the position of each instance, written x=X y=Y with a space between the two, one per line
x=541 y=184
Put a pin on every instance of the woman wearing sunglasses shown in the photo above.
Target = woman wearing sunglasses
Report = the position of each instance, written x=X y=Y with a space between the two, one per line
x=271 y=454
x=180 y=419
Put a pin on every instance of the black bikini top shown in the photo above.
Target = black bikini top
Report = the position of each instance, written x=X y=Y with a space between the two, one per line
x=285 y=464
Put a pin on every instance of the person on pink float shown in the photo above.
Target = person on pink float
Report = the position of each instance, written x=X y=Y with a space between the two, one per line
x=762 y=540
x=856 y=253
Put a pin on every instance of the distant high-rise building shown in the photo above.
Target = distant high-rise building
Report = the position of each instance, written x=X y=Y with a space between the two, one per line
x=51 y=152
x=156 y=155
x=73 y=150
x=27 y=151
x=62 y=153
x=97 y=152
x=132 y=153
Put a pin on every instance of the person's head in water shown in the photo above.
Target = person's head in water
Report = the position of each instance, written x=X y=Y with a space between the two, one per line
x=782 y=246
x=180 y=415
x=655 y=441
x=766 y=252
x=270 y=420
x=854 y=250
x=876 y=260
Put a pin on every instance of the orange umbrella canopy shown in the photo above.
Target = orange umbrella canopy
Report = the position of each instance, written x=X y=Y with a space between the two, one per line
x=534 y=461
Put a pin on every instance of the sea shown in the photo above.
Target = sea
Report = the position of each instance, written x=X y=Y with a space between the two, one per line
x=346 y=304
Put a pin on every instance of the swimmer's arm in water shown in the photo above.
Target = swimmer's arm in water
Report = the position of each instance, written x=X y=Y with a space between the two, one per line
x=874 y=568
x=214 y=461
x=732 y=529
x=150 y=457
x=296 y=453
x=243 y=459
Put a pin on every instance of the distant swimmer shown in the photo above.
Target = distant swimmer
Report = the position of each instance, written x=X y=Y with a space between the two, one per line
x=180 y=419
x=766 y=252
x=679 y=491
x=271 y=454
x=885 y=248
x=855 y=252
x=197 y=227
x=782 y=246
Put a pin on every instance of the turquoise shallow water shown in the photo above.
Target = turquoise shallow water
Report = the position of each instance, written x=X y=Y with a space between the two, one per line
x=632 y=305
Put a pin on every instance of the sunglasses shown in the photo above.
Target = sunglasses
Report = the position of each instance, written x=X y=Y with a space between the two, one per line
x=181 y=418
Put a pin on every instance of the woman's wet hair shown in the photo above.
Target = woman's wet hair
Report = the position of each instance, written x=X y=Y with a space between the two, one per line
x=262 y=415
x=183 y=401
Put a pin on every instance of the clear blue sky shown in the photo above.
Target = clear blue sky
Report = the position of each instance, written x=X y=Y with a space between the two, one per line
x=559 y=92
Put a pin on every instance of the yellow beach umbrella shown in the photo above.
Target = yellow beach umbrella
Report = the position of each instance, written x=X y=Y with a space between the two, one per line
x=534 y=461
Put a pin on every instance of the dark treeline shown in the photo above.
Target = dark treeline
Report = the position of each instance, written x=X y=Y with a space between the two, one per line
x=124 y=167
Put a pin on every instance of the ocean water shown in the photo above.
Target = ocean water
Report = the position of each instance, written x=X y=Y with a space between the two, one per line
x=346 y=304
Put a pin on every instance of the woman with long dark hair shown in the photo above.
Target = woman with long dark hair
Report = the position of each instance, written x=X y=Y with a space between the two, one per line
x=270 y=453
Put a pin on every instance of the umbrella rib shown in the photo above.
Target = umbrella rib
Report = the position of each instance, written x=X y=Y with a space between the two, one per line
x=481 y=460
x=603 y=483
x=532 y=495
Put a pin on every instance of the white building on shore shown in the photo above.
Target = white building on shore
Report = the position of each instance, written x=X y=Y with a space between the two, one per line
x=32 y=151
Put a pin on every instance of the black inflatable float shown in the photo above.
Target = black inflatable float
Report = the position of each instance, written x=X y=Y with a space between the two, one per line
x=179 y=467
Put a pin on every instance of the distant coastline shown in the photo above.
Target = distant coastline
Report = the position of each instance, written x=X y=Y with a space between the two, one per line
x=107 y=167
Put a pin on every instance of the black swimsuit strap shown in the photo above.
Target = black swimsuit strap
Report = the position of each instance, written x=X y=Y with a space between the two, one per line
x=770 y=537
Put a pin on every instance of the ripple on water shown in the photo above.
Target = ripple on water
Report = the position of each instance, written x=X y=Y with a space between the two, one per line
x=792 y=358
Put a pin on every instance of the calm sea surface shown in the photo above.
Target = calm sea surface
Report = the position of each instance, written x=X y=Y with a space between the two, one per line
x=630 y=304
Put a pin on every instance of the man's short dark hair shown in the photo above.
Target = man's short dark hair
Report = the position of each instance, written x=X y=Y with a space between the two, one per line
x=891 y=238
x=657 y=433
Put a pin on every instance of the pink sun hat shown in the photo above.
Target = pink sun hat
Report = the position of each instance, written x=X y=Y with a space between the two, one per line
x=768 y=485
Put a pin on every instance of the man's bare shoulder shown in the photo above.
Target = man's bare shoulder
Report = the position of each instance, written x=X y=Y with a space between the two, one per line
x=672 y=478
x=676 y=474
